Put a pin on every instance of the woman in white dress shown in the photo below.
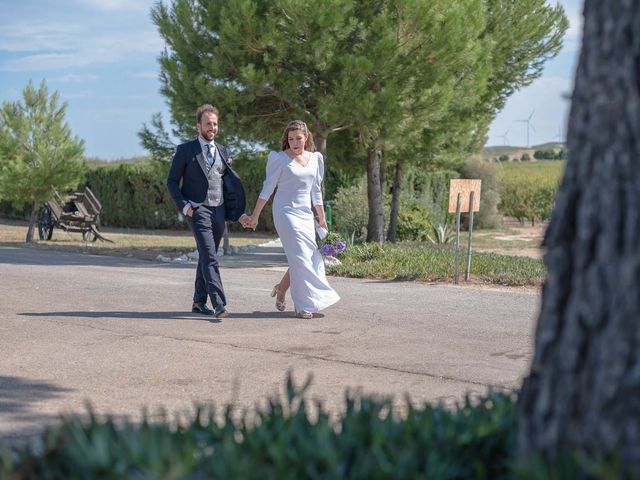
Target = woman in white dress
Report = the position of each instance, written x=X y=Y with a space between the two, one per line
x=297 y=172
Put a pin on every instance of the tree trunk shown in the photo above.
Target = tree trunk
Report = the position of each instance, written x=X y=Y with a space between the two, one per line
x=320 y=140
x=583 y=390
x=321 y=143
x=32 y=221
x=383 y=171
x=375 y=227
x=395 y=204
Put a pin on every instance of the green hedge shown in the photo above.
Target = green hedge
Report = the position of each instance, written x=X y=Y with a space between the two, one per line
x=283 y=441
x=135 y=195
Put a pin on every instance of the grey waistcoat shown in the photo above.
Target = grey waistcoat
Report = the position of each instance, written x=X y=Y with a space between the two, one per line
x=214 y=193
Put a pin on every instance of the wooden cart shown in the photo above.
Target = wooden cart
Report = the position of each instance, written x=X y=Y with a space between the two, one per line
x=79 y=213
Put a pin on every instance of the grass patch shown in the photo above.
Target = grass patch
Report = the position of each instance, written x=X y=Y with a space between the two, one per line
x=400 y=261
x=434 y=263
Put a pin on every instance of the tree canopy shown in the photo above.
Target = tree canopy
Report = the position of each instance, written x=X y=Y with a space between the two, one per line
x=417 y=77
x=37 y=150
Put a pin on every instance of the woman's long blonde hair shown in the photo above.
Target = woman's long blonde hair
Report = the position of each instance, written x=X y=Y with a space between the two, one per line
x=309 y=145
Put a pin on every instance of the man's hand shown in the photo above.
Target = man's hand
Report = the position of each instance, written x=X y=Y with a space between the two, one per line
x=245 y=220
x=189 y=212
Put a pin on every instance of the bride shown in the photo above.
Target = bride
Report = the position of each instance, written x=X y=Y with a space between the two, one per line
x=297 y=172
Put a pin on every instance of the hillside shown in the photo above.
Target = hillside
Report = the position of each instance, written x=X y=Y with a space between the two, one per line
x=517 y=152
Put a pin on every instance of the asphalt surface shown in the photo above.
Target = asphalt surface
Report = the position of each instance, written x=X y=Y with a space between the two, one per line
x=119 y=334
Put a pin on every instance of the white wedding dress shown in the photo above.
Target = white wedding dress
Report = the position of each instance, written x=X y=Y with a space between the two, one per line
x=297 y=188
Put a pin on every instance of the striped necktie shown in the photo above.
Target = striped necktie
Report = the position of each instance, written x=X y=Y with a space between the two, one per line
x=210 y=158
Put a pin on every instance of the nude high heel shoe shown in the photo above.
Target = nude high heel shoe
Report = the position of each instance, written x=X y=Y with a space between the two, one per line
x=274 y=292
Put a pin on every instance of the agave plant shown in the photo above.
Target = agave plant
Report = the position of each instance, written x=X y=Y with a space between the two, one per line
x=442 y=233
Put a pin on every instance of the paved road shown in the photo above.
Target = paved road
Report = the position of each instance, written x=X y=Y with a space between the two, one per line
x=118 y=332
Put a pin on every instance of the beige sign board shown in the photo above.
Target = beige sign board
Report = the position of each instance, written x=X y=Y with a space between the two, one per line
x=464 y=187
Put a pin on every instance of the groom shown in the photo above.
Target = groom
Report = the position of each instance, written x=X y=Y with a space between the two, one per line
x=210 y=193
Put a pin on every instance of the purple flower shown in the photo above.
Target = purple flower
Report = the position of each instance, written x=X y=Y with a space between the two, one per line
x=340 y=246
x=328 y=250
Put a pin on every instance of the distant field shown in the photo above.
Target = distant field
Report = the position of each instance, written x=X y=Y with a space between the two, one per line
x=554 y=168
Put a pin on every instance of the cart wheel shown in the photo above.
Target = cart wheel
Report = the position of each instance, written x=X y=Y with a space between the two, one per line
x=45 y=224
x=89 y=236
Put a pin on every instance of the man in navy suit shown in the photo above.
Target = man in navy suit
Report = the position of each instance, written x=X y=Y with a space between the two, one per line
x=210 y=193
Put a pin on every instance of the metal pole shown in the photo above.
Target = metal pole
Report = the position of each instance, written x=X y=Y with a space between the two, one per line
x=457 y=261
x=466 y=273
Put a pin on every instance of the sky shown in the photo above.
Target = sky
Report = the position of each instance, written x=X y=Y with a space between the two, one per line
x=102 y=57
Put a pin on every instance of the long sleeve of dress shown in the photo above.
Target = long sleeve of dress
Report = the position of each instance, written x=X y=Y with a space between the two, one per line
x=274 y=169
x=316 y=188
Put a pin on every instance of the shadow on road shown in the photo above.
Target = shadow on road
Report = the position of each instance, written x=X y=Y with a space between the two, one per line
x=181 y=315
x=235 y=315
x=263 y=257
x=19 y=406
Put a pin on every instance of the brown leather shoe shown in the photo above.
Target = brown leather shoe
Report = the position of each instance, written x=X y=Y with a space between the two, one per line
x=223 y=313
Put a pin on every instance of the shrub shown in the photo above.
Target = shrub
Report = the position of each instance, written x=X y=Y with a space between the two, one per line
x=133 y=195
x=350 y=211
x=474 y=440
x=527 y=201
x=488 y=216
x=251 y=168
x=414 y=221
x=431 y=189
x=528 y=191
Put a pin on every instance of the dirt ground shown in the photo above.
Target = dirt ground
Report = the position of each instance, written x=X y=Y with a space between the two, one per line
x=516 y=240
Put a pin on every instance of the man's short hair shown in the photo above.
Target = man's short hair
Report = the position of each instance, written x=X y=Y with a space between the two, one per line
x=202 y=109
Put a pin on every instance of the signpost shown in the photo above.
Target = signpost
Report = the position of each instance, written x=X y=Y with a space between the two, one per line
x=464 y=196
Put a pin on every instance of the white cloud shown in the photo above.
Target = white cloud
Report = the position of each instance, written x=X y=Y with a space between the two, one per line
x=116 y=5
x=150 y=74
x=74 y=78
x=37 y=36
x=47 y=61
x=93 y=50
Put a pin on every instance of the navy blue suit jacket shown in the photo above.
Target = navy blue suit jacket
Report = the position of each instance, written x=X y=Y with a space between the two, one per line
x=187 y=180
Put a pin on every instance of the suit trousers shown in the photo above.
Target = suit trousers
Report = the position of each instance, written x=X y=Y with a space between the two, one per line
x=207 y=225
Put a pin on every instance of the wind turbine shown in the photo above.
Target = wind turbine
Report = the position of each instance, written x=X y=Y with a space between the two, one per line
x=504 y=137
x=529 y=126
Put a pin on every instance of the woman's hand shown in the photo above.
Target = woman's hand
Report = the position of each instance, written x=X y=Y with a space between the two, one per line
x=323 y=223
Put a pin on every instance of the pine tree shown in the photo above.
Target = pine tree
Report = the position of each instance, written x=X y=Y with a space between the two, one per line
x=37 y=151
x=386 y=70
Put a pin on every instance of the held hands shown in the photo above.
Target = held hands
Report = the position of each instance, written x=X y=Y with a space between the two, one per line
x=248 y=222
